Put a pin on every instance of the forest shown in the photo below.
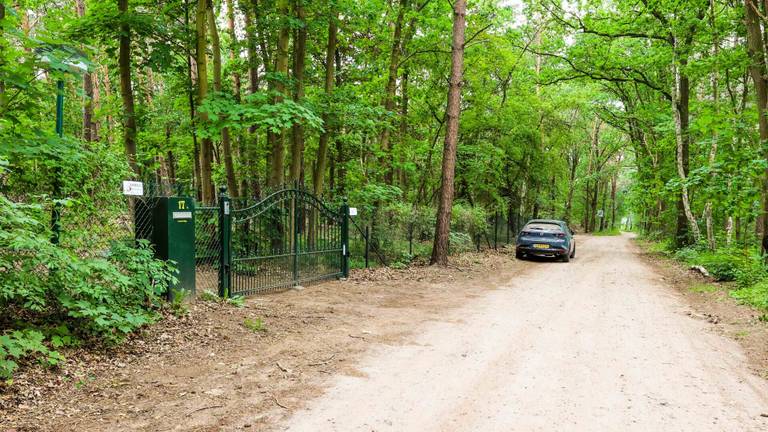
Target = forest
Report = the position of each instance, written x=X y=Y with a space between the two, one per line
x=428 y=115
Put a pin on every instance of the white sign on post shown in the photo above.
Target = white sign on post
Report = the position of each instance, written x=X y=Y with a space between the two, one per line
x=133 y=188
x=353 y=211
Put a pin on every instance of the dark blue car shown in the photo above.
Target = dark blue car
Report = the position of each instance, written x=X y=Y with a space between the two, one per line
x=546 y=237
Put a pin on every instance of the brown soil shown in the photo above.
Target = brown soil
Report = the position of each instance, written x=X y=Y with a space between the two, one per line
x=205 y=370
x=709 y=301
x=510 y=327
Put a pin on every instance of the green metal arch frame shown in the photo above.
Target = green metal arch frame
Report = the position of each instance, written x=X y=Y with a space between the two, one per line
x=275 y=198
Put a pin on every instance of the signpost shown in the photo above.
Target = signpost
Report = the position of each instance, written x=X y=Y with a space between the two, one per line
x=64 y=59
x=133 y=188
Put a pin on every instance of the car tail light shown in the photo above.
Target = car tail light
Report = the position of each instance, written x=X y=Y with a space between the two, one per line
x=525 y=233
x=561 y=235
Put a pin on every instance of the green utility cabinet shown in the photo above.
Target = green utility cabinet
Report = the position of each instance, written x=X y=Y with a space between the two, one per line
x=172 y=234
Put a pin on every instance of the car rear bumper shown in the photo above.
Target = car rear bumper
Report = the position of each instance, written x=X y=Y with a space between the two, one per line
x=553 y=251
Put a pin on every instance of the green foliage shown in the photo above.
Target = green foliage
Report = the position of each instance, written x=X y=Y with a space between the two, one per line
x=255 y=325
x=755 y=295
x=608 y=232
x=47 y=285
x=210 y=296
x=256 y=110
x=703 y=288
x=744 y=267
x=19 y=344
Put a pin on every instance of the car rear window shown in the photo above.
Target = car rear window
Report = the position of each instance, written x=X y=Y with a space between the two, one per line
x=543 y=227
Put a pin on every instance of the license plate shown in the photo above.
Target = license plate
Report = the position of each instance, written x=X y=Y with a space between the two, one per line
x=541 y=246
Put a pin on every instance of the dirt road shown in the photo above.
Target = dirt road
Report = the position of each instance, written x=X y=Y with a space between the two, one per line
x=599 y=344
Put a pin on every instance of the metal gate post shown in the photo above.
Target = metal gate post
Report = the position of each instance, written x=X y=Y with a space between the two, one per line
x=345 y=239
x=225 y=243
x=295 y=228
x=367 y=246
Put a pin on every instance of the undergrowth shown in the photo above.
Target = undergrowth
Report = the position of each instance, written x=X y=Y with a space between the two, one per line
x=745 y=268
x=52 y=297
x=607 y=232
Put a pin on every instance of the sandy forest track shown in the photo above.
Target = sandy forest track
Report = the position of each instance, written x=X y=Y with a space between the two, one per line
x=597 y=344
x=490 y=344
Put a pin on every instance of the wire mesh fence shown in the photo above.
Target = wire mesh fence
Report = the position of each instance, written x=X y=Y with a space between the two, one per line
x=207 y=248
x=392 y=241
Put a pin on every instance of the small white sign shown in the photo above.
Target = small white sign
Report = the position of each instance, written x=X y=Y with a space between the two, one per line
x=353 y=211
x=599 y=213
x=226 y=207
x=182 y=215
x=134 y=188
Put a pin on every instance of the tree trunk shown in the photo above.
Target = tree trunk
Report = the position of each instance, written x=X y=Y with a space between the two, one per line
x=330 y=72
x=402 y=177
x=250 y=184
x=715 y=136
x=613 y=201
x=226 y=144
x=573 y=163
x=452 y=112
x=275 y=140
x=126 y=89
x=206 y=147
x=680 y=95
x=757 y=70
x=89 y=127
x=389 y=91
x=234 y=52
x=299 y=54
x=234 y=55
x=3 y=43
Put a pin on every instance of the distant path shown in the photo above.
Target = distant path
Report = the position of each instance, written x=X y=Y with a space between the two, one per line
x=597 y=344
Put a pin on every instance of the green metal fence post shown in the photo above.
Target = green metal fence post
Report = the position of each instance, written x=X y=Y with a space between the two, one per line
x=367 y=246
x=225 y=243
x=56 y=211
x=295 y=228
x=345 y=239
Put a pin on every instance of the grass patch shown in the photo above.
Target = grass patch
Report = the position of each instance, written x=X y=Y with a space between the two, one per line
x=744 y=267
x=210 y=296
x=755 y=295
x=703 y=288
x=255 y=325
x=607 y=232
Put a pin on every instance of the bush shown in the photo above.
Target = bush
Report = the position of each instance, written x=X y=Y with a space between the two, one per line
x=744 y=267
x=45 y=287
x=755 y=295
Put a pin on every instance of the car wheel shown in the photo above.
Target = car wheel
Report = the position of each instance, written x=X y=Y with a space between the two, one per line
x=573 y=254
x=566 y=258
x=519 y=255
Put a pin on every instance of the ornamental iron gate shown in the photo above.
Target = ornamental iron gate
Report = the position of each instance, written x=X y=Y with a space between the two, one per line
x=287 y=239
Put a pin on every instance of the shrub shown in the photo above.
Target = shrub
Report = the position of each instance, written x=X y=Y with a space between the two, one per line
x=744 y=267
x=755 y=295
x=43 y=285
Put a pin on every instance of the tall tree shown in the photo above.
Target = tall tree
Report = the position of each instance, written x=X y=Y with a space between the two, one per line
x=757 y=69
x=89 y=127
x=452 y=112
x=275 y=140
x=322 y=149
x=391 y=87
x=299 y=58
x=226 y=144
x=206 y=147
x=126 y=88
